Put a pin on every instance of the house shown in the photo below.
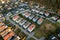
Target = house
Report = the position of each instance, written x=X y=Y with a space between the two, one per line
x=9 y=8
x=35 y=18
x=26 y=25
x=19 y=19
x=8 y=36
x=27 y=14
x=54 y=18
x=34 y=10
x=47 y=14
x=5 y=32
x=15 y=17
x=22 y=22
x=3 y=27
x=31 y=27
x=31 y=16
x=41 y=13
x=40 y=20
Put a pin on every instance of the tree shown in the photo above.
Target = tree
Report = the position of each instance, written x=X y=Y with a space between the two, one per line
x=1 y=38
x=55 y=4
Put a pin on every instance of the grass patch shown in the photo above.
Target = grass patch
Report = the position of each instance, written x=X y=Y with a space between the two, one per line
x=45 y=29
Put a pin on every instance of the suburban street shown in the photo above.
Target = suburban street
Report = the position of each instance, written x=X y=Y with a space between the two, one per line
x=30 y=35
x=29 y=19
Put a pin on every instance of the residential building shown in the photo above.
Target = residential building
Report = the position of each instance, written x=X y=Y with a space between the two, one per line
x=27 y=14
x=47 y=14
x=31 y=16
x=9 y=35
x=19 y=19
x=26 y=25
x=35 y=18
x=41 y=13
x=15 y=17
x=3 y=27
x=22 y=22
x=40 y=20
x=5 y=32
x=31 y=27
x=54 y=18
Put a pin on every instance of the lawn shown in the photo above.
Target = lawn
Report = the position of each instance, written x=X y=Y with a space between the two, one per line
x=45 y=29
x=1 y=38
x=57 y=23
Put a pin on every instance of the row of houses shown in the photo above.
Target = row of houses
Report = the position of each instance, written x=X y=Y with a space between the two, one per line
x=24 y=23
x=7 y=32
x=27 y=24
x=33 y=17
x=46 y=14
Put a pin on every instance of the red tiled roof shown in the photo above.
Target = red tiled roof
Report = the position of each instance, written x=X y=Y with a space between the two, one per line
x=16 y=16
x=32 y=26
x=27 y=14
x=8 y=36
x=40 y=20
x=7 y=30
x=2 y=27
